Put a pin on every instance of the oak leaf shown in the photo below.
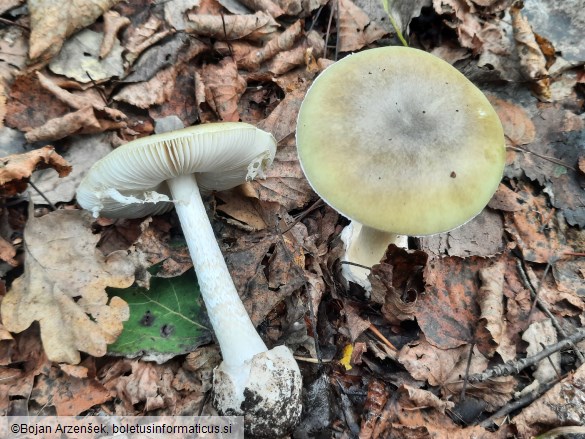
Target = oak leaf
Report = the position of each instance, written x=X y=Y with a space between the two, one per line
x=63 y=287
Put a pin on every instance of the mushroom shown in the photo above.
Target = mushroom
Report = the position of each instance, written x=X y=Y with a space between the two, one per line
x=401 y=143
x=150 y=175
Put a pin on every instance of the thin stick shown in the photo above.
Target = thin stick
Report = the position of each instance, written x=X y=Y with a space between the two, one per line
x=518 y=404
x=544 y=157
x=516 y=366
x=51 y=205
x=465 y=380
x=381 y=337
x=313 y=206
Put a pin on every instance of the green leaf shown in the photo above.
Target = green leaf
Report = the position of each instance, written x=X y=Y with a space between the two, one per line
x=165 y=321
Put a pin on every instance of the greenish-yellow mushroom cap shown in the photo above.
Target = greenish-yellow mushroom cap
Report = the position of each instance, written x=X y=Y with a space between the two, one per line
x=399 y=140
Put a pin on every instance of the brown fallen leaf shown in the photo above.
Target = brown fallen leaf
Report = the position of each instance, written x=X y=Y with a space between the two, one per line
x=279 y=43
x=64 y=284
x=223 y=88
x=90 y=98
x=84 y=121
x=532 y=60
x=15 y=170
x=492 y=323
x=113 y=23
x=424 y=399
x=268 y=6
x=446 y=369
x=535 y=229
x=52 y=21
x=144 y=36
x=518 y=128
x=255 y=27
x=448 y=312
x=7 y=252
x=30 y=104
x=356 y=30
x=69 y=395
x=155 y=91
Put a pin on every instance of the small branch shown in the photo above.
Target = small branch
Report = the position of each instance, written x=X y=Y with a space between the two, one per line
x=515 y=367
x=51 y=205
x=518 y=404
x=544 y=157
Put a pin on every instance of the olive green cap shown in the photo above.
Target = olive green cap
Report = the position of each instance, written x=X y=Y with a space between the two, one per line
x=399 y=140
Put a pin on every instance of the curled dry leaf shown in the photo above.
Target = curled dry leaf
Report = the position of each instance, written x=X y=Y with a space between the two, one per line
x=356 y=30
x=79 y=101
x=223 y=88
x=155 y=91
x=492 y=323
x=255 y=27
x=268 y=6
x=397 y=282
x=532 y=60
x=52 y=21
x=63 y=287
x=15 y=170
x=279 y=43
x=144 y=36
x=84 y=121
x=423 y=399
x=7 y=254
x=113 y=22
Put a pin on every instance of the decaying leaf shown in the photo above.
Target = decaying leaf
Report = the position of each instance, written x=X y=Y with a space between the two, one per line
x=223 y=88
x=84 y=121
x=80 y=59
x=356 y=30
x=535 y=230
x=63 y=287
x=538 y=335
x=144 y=36
x=518 y=128
x=52 y=21
x=232 y=27
x=424 y=399
x=532 y=60
x=278 y=44
x=492 y=323
x=113 y=23
x=15 y=170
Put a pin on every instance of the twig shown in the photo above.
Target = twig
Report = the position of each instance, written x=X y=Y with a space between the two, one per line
x=516 y=366
x=381 y=337
x=13 y=23
x=327 y=33
x=546 y=311
x=51 y=205
x=466 y=379
x=518 y=404
x=544 y=157
x=355 y=264
x=536 y=297
x=313 y=206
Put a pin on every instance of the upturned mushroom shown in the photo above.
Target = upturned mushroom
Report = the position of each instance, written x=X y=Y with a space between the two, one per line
x=151 y=175
x=401 y=143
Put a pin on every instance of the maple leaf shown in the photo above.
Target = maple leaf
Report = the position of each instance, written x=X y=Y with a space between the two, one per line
x=63 y=287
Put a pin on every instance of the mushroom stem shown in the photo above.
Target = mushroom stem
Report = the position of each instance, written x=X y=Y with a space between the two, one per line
x=365 y=246
x=237 y=336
